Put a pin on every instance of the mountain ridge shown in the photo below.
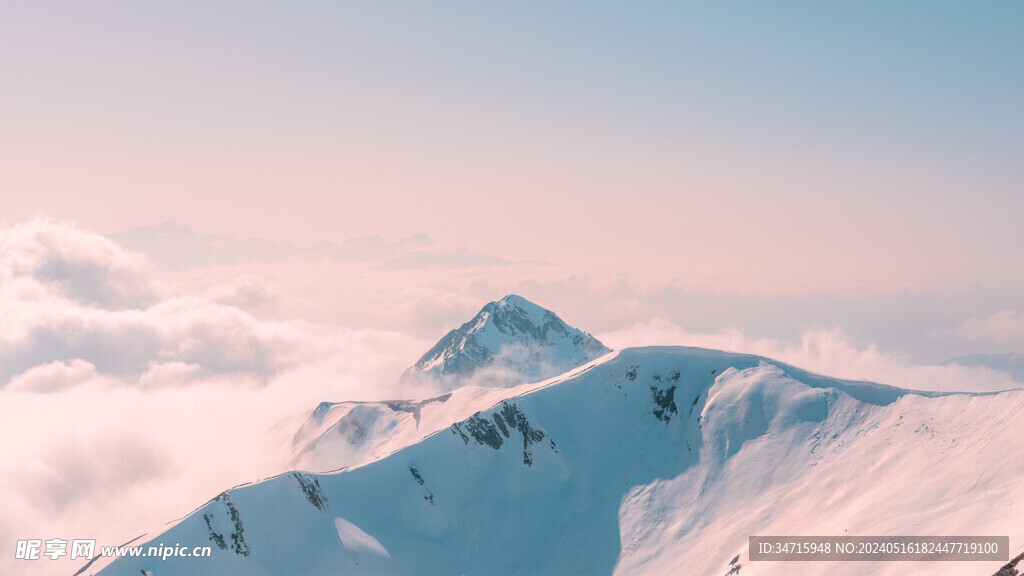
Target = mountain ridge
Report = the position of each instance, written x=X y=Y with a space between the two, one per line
x=654 y=460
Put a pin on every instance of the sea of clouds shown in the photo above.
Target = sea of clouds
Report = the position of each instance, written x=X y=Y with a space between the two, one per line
x=131 y=394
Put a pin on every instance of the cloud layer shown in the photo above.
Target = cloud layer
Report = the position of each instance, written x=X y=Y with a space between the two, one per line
x=75 y=305
x=123 y=404
x=826 y=351
x=45 y=258
x=1003 y=326
x=129 y=393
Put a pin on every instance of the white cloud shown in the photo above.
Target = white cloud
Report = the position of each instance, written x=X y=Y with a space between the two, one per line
x=1003 y=326
x=217 y=337
x=246 y=292
x=83 y=267
x=54 y=376
x=825 y=351
x=73 y=299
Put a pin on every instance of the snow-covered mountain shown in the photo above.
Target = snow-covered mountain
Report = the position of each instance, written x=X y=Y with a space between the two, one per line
x=509 y=342
x=349 y=434
x=651 y=461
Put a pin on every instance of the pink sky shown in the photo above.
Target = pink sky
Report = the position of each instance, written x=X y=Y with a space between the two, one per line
x=778 y=154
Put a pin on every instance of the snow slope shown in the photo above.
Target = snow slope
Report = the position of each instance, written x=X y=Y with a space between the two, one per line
x=654 y=461
x=349 y=434
x=509 y=342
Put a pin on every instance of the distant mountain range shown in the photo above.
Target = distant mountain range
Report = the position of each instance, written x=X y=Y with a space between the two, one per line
x=174 y=246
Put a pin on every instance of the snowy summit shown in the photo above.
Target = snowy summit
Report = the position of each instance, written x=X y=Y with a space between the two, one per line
x=509 y=342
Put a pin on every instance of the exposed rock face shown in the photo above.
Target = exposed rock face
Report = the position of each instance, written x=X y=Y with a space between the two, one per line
x=507 y=420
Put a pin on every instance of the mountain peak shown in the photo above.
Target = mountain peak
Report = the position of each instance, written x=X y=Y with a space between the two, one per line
x=517 y=300
x=509 y=341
